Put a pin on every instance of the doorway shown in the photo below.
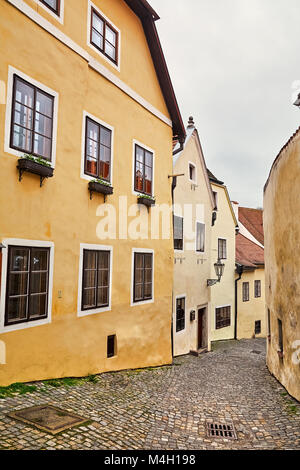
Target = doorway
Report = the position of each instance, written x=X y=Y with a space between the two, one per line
x=202 y=340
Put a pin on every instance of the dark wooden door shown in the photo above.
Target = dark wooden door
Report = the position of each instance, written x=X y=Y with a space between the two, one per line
x=201 y=313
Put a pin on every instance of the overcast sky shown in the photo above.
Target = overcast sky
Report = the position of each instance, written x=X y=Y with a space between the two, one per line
x=235 y=67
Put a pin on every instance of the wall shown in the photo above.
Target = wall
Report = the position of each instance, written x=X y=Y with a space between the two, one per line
x=282 y=237
x=223 y=294
x=62 y=212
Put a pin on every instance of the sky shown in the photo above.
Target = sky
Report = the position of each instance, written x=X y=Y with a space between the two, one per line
x=235 y=67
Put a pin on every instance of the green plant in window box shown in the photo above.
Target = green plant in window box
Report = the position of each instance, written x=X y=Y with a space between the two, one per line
x=101 y=181
x=146 y=200
x=39 y=160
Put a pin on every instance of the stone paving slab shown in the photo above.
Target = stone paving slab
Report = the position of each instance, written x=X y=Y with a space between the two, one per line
x=167 y=408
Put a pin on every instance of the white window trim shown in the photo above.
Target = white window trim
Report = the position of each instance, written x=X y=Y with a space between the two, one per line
x=221 y=238
x=178 y=333
x=8 y=116
x=101 y=123
x=85 y=246
x=142 y=302
x=60 y=17
x=89 y=18
x=200 y=252
x=145 y=147
x=30 y=243
x=196 y=176
x=231 y=319
x=183 y=240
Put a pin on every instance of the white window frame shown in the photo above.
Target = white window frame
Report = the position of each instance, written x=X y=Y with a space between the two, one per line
x=86 y=246
x=83 y=135
x=30 y=243
x=8 y=115
x=178 y=333
x=231 y=316
x=145 y=147
x=142 y=302
x=200 y=252
x=194 y=181
x=225 y=239
x=183 y=240
x=60 y=17
x=89 y=22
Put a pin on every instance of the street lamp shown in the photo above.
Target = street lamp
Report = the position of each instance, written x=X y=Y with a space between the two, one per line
x=297 y=102
x=219 y=268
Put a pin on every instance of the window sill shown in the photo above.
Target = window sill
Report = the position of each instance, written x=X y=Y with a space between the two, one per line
x=86 y=313
x=24 y=326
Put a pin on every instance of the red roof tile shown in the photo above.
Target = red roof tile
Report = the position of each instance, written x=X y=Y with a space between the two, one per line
x=248 y=253
x=252 y=219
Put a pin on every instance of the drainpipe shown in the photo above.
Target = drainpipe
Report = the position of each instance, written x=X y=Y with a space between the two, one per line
x=239 y=270
x=181 y=141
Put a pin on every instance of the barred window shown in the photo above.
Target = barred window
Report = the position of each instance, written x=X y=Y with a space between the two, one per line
x=245 y=291
x=180 y=314
x=257 y=289
x=178 y=232
x=96 y=274
x=27 y=284
x=223 y=317
x=222 y=248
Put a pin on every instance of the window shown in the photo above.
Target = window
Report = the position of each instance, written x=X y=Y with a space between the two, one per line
x=98 y=141
x=215 y=194
x=257 y=327
x=222 y=248
x=180 y=314
x=200 y=237
x=143 y=273
x=143 y=170
x=104 y=37
x=53 y=5
x=178 y=232
x=192 y=172
x=96 y=279
x=257 y=289
x=27 y=284
x=111 y=346
x=245 y=291
x=280 y=336
x=223 y=317
x=32 y=120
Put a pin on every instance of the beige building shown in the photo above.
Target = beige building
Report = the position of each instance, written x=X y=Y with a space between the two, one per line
x=282 y=235
x=223 y=248
x=193 y=208
x=250 y=281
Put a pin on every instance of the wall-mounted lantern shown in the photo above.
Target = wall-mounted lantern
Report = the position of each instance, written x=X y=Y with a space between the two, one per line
x=192 y=315
x=219 y=268
x=297 y=102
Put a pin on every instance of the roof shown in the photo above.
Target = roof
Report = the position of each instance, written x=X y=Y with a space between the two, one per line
x=291 y=140
x=212 y=178
x=252 y=220
x=248 y=253
x=148 y=17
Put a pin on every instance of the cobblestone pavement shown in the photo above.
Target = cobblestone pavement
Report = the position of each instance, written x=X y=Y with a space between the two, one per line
x=167 y=408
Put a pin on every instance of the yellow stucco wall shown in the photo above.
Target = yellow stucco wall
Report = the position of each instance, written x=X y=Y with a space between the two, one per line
x=254 y=310
x=282 y=237
x=223 y=294
x=191 y=269
x=61 y=211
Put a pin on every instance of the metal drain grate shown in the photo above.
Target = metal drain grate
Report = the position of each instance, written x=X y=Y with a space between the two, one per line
x=219 y=430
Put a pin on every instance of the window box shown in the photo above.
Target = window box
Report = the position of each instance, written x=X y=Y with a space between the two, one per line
x=32 y=166
x=99 y=187
x=147 y=201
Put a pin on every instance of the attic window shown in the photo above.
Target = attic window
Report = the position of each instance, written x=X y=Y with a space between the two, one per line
x=104 y=36
x=192 y=172
x=53 y=5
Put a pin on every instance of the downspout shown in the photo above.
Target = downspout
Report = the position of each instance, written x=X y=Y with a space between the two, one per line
x=239 y=270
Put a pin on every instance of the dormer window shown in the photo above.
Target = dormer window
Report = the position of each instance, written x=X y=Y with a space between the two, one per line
x=104 y=36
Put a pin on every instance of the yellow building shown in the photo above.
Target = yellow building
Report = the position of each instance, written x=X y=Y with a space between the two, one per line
x=88 y=98
x=282 y=232
x=193 y=207
x=250 y=281
x=223 y=249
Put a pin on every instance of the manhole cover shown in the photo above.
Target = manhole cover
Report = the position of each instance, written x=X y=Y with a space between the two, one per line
x=48 y=418
x=221 y=430
x=256 y=352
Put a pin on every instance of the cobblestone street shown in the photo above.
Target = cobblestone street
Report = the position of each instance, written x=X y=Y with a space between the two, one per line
x=167 y=408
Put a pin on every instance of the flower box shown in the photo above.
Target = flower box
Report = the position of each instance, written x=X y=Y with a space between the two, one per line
x=97 y=187
x=146 y=201
x=31 y=166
